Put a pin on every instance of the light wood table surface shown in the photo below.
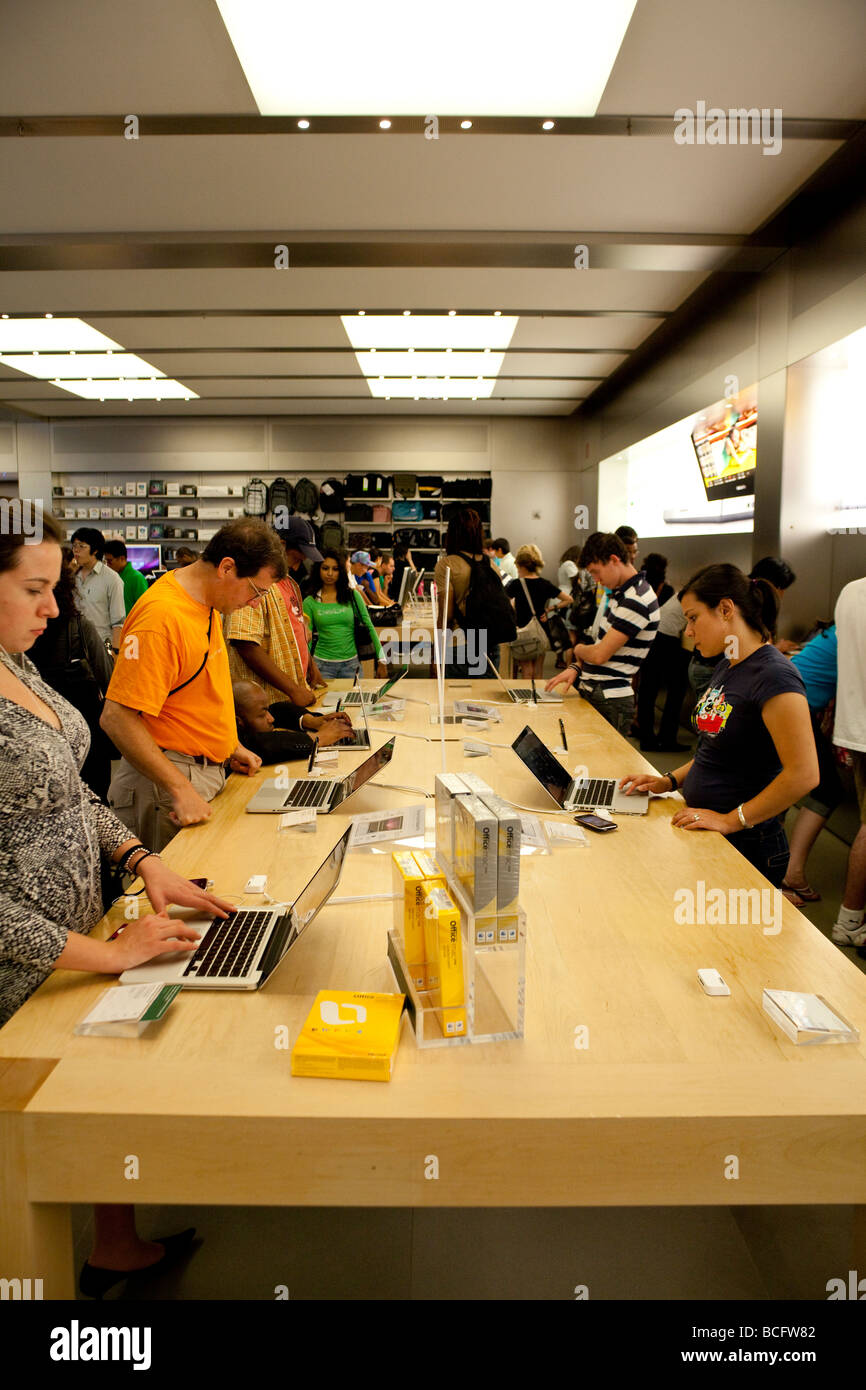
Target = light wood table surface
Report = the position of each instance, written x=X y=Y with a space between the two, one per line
x=671 y=1088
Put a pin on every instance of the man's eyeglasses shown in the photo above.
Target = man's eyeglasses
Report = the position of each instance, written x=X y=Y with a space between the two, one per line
x=259 y=593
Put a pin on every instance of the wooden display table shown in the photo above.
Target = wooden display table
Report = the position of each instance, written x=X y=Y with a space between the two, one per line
x=631 y=1087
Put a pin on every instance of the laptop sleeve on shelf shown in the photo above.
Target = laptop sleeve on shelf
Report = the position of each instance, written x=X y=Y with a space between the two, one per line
x=358 y=511
x=407 y=511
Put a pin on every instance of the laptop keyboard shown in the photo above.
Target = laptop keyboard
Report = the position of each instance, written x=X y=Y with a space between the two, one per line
x=230 y=945
x=309 y=794
x=595 y=791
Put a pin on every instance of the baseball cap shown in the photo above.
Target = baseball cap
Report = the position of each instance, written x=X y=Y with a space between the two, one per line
x=298 y=534
x=361 y=557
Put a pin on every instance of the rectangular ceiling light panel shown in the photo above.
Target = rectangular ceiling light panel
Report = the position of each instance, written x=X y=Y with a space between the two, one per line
x=389 y=58
x=430 y=389
x=163 y=389
x=430 y=331
x=458 y=364
x=53 y=335
x=72 y=366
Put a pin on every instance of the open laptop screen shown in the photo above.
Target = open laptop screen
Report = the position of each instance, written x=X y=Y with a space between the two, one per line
x=367 y=769
x=311 y=900
x=542 y=764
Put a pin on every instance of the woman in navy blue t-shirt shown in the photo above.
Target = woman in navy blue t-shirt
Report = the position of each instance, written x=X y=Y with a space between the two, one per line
x=756 y=753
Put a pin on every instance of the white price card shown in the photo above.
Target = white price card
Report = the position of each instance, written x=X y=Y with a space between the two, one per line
x=123 y=1003
x=298 y=820
x=561 y=833
x=404 y=823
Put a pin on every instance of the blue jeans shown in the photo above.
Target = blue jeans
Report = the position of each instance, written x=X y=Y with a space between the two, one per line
x=765 y=846
x=332 y=670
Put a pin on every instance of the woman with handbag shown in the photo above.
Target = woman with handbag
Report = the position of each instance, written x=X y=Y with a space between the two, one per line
x=71 y=657
x=343 y=634
x=530 y=595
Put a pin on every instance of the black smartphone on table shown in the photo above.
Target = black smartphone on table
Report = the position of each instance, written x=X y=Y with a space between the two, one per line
x=597 y=823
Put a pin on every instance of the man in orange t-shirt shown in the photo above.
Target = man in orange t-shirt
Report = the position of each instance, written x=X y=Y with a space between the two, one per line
x=169 y=707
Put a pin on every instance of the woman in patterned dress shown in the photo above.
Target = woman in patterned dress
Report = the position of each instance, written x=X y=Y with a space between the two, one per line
x=53 y=832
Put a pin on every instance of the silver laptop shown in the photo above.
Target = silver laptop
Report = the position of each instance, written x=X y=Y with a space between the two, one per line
x=319 y=794
x=526 y=694
x=585 y=794
x=243 y=950
x=354 y=698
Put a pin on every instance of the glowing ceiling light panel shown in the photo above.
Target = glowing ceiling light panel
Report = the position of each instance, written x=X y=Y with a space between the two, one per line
x=429 y=331
x=454 y=59
x=72 y=366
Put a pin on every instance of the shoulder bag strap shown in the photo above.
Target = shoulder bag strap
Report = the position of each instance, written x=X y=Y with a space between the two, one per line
x=185 y=683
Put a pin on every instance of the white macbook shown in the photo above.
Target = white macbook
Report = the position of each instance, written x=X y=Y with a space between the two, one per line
x=243 y=950
x=587 y=794
x=320 y=794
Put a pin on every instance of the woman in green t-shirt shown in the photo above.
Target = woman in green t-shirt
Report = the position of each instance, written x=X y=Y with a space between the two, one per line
x=334 y=610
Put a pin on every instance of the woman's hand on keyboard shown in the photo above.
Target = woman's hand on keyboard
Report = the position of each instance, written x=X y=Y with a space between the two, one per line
x=154 y=935
x=164 y=886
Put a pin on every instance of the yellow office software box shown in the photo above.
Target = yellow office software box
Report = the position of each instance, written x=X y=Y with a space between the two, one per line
x=349 y=1035
x=410 y=873
x=445 y=959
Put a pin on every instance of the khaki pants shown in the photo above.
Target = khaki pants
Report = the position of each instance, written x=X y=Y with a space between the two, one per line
x=145 y=807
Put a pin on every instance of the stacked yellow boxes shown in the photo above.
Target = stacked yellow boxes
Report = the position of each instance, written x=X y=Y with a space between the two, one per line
x=410 y=872
x=444 y=950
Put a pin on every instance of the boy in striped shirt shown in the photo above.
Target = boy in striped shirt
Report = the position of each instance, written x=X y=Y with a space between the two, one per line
x=604 y=669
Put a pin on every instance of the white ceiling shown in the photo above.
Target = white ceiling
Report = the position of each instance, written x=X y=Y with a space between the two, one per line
x=166 y=243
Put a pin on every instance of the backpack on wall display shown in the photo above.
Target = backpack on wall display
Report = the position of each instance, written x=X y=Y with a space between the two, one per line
x=405 y=484
x=355 y=485
x=255 y=498
x=404 y=536
x=358 y=511
x=430 y=485
x=281 y=494
x=430 y=511
x=332 y=495
x=377 y=485
x=306 y=497
x=382 y=511
x=486 y=607
x=332 y=535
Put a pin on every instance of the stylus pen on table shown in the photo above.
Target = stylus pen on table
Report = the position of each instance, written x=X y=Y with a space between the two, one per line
x=534 y=696
x=313 y=753
x=339 y=705
x=564 y=739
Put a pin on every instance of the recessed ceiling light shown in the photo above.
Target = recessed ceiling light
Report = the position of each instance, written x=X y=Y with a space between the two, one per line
x=5 y=316
x=547 y=125
x=497 y=313
x=465 y=125
x=303 y=125
x=452 y=313
x=429 y=332
x=305 y=57
x=361 y=313
x=406 y=313
x=49 y=316
x=385 y=125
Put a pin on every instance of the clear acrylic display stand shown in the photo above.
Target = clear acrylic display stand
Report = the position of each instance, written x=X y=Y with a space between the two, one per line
x=494 y=978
